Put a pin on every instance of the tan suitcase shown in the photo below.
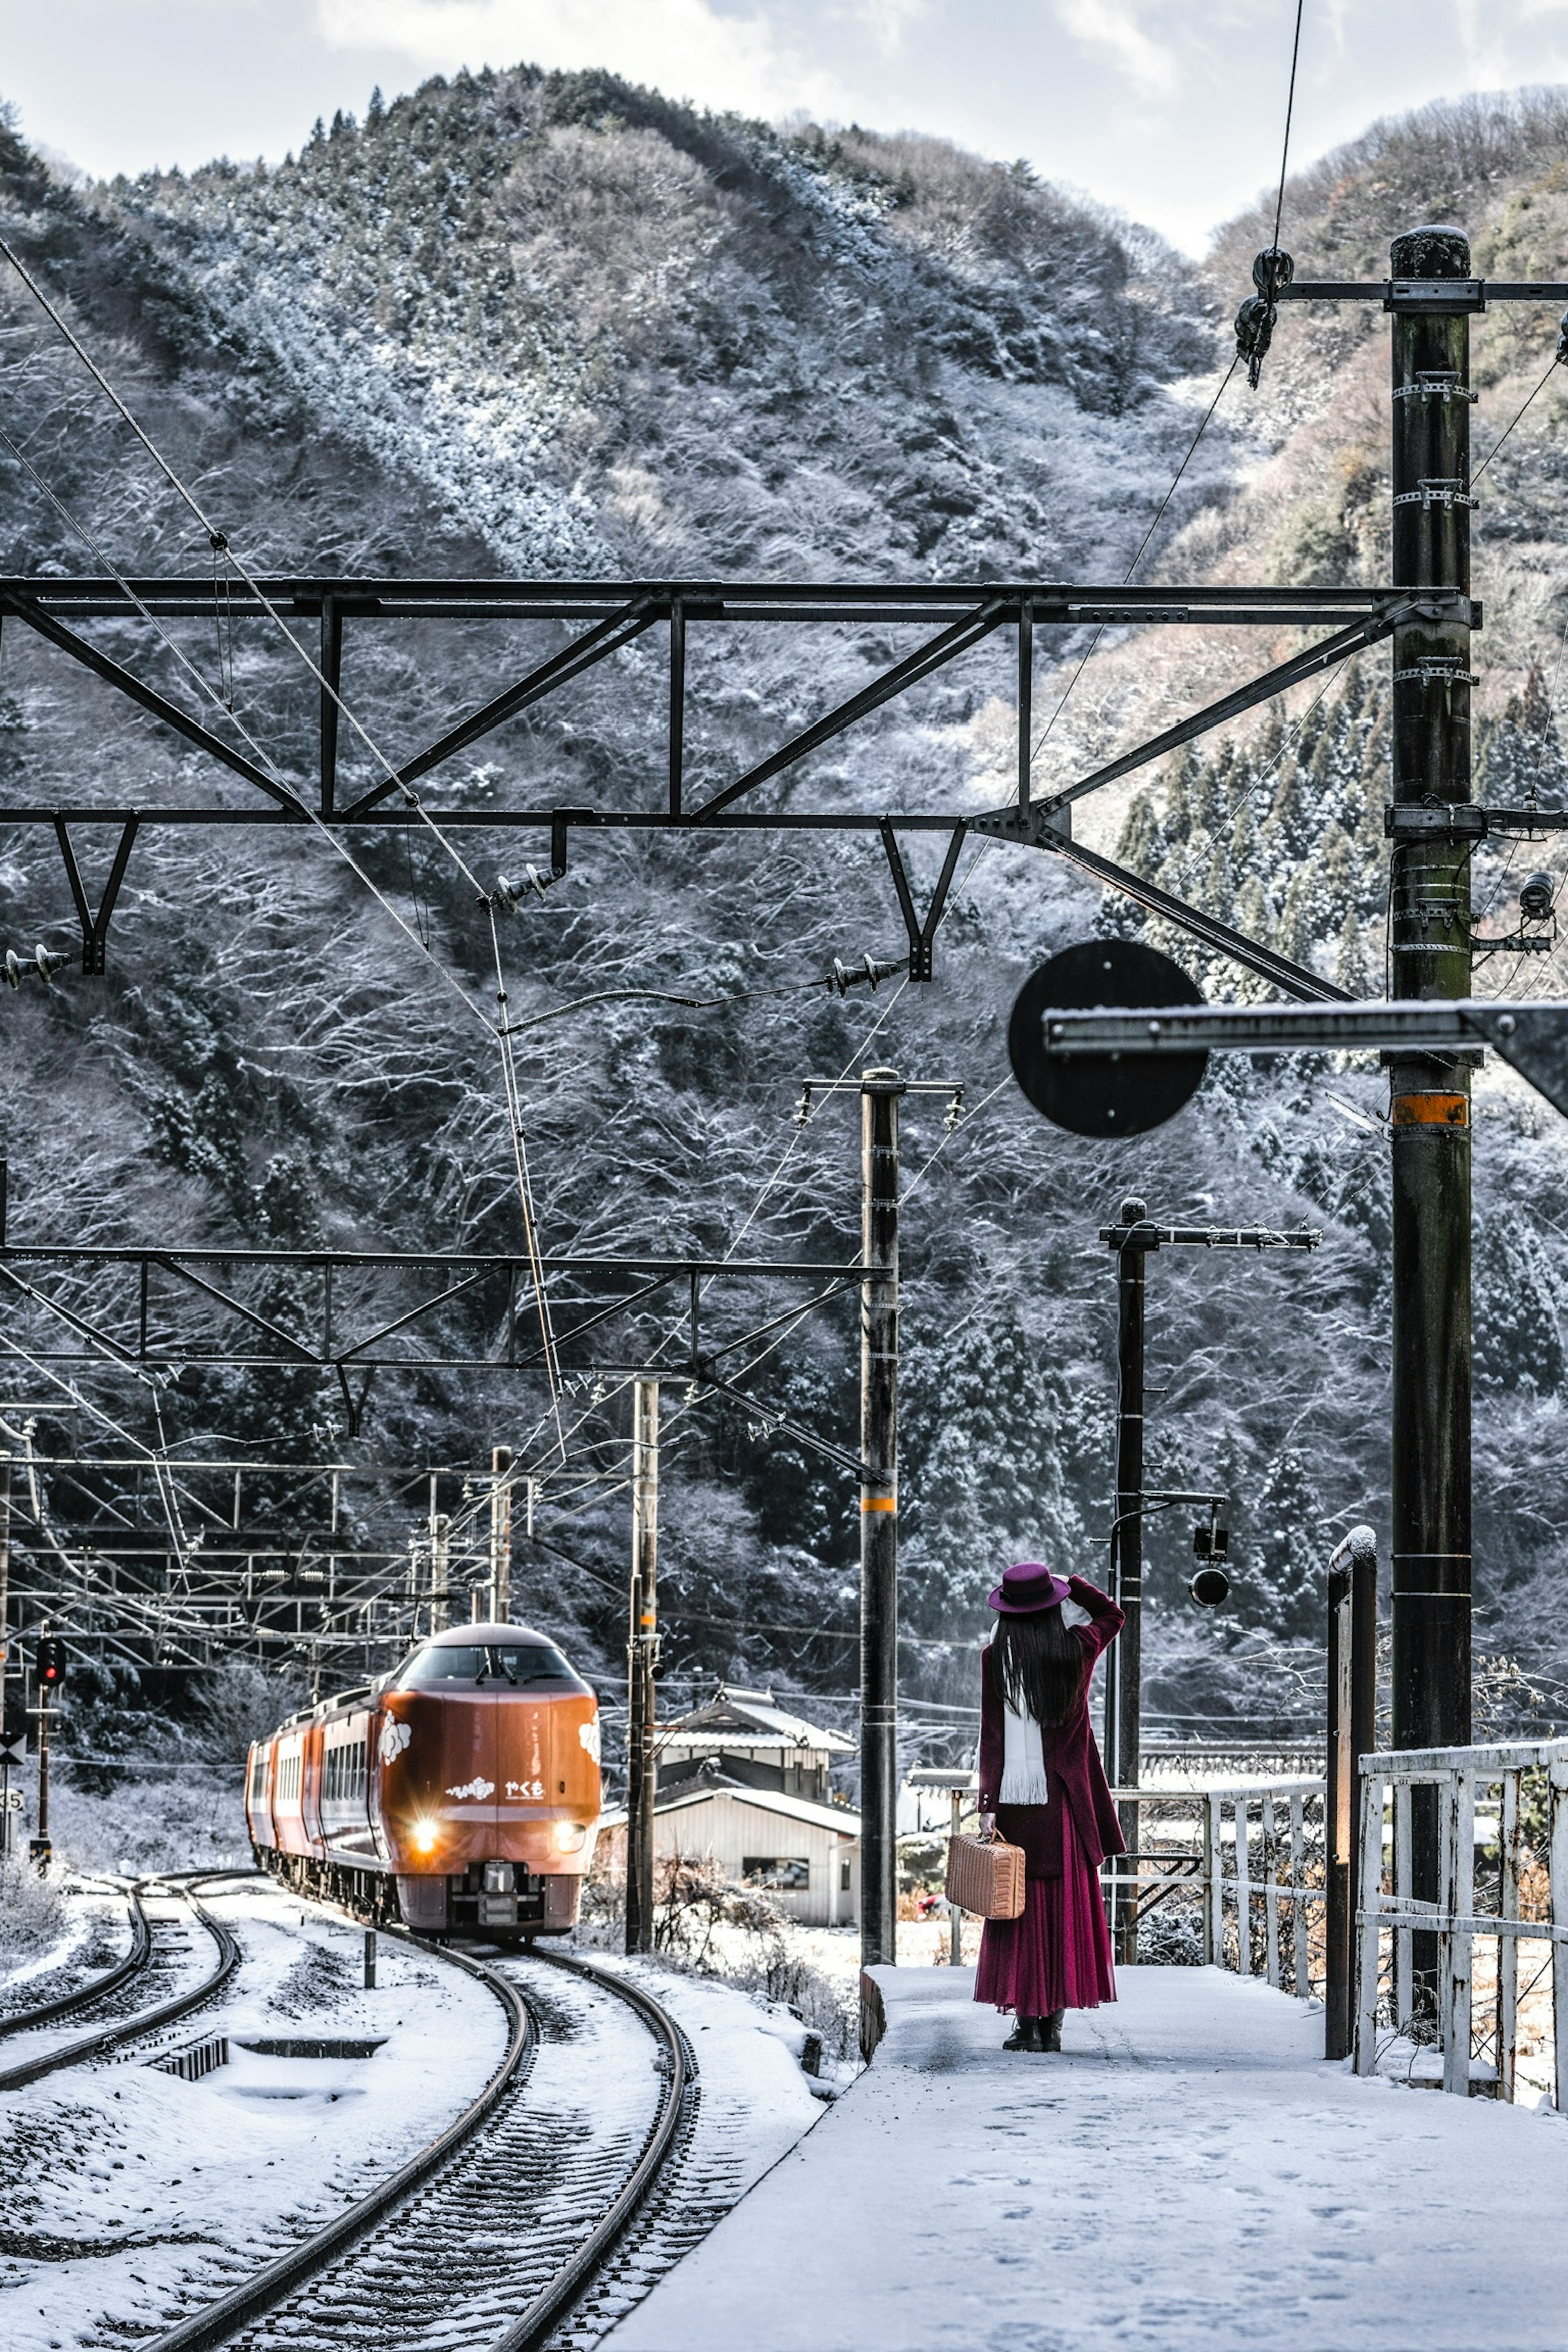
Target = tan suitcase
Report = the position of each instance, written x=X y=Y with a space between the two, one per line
x=986 y=1875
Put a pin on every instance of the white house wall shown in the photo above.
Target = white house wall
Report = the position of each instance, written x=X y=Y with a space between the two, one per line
x=729 y=1832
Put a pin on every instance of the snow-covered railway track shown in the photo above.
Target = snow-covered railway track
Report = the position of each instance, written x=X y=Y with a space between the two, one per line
x=498 y=2234
x=97 y=1988
x=149 y=1955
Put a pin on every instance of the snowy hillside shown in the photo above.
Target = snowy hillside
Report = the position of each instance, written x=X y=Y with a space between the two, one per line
x=556 y=324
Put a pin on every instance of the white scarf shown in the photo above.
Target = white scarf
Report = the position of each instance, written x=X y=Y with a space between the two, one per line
x=1024 y=1779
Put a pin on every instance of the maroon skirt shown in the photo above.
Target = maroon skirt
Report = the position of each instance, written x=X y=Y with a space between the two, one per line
x=1057 y=1953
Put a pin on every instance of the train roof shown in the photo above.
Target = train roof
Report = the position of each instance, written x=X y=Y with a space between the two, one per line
x=463 y=1637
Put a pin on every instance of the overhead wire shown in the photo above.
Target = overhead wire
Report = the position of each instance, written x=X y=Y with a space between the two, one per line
x=1208 y=413
x=219 y=541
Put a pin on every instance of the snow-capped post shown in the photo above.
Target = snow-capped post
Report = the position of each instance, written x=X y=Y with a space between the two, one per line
x=501 y=1535
x=1352 y=1700
x=642 y=1660
x=879 y=1092
x=1430 y=1093
x=1124 y=1659
x=440 y=1567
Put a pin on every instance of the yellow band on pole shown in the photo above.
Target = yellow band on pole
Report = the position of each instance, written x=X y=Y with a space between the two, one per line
x=877 y=1503
x=1431 y=1110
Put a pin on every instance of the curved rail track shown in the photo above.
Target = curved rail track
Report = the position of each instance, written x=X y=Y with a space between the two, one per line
x=98 y=1988
x=497 y=2230
x=117 y=2030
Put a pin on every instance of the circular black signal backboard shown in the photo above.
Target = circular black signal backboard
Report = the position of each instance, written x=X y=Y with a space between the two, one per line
x=1103 y=1094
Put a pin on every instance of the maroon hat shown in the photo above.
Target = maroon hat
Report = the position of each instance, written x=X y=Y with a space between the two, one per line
x=1026 y=1588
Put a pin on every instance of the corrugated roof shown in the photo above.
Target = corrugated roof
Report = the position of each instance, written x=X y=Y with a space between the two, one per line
x=754 y=1712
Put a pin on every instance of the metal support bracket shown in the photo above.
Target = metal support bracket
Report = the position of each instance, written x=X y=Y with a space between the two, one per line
x=923 y=936
x=1533 y=1038
x=1465 y=821
x=95 y=928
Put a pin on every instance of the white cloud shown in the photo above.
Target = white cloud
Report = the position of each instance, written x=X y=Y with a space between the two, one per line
x=1111 y=29
x=684 y=48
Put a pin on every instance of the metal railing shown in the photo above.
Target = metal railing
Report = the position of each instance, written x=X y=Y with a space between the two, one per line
x=1253 y=1856
x=1398 y=2002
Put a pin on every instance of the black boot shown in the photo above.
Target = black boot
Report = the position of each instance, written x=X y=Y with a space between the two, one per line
x=1051 y=2030
x=1026 y=2035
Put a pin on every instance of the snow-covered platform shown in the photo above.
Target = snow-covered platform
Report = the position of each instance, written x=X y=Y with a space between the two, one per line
x=1188 y=2173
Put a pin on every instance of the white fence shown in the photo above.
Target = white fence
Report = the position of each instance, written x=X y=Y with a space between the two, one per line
x=1530 y=1819
x=1254 y=1856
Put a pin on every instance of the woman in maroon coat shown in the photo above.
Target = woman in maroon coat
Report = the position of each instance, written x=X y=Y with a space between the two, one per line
x=1043 y=1786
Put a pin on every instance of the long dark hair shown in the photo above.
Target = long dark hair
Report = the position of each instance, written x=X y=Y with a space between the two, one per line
x=1040 y=1661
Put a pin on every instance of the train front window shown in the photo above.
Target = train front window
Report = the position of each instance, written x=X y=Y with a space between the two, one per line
x=509 y=1664
x=532 y=1662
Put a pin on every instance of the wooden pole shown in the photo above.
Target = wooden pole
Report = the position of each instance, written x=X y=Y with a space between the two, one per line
x=501 y=1535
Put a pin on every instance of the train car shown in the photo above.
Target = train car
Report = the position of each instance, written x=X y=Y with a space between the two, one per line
x=459 y=1794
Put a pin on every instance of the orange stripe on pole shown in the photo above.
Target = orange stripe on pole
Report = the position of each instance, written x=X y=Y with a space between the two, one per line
x=877 y=1503
x=1431 y=1110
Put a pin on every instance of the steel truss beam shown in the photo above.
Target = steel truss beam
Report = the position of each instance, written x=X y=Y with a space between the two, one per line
x=610 y=615
x=142 y=1324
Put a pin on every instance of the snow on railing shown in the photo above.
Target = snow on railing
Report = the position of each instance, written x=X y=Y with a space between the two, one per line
x=1257 y=1915
x=1410 y=2000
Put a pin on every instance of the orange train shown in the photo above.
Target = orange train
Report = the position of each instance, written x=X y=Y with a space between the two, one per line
x=459 y=1794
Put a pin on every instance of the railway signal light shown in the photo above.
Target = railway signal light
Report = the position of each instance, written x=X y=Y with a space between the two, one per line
x=1211 y=1585
x=52 y=1662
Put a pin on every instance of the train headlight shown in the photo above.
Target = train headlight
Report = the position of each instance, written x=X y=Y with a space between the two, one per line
x=570 y=1837
x=423 y=1837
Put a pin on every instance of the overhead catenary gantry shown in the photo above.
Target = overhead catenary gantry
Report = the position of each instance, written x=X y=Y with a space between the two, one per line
x=608 y=616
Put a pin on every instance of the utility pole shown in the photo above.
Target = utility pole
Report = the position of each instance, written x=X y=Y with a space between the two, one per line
x=642 y=1661
x=440 y=1567
x=1352 y=1714
x=5 y=1646
x=501 y=1535
x=1430 y=1095
x=879 y=1092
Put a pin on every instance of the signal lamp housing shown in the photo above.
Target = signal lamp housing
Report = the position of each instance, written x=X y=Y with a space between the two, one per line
x=1210 y=1587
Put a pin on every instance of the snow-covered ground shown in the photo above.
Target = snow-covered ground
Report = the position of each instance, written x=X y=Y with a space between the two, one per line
x=130 y=2191
x=1189 y=2173
x=130 y=2196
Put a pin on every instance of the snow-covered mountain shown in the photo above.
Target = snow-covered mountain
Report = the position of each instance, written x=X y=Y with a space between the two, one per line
x=553 y=323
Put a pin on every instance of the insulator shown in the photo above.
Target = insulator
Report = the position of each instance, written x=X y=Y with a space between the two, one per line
x=47 y=964
x=865 y=973
x=512 y=894
x=1254 y=333
x=954 y=1111
x=12 y=968
x=1272 y=269
x=803 y=1107
x=1537 y=897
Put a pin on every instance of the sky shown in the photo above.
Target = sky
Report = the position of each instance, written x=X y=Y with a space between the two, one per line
x=1171 y=110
